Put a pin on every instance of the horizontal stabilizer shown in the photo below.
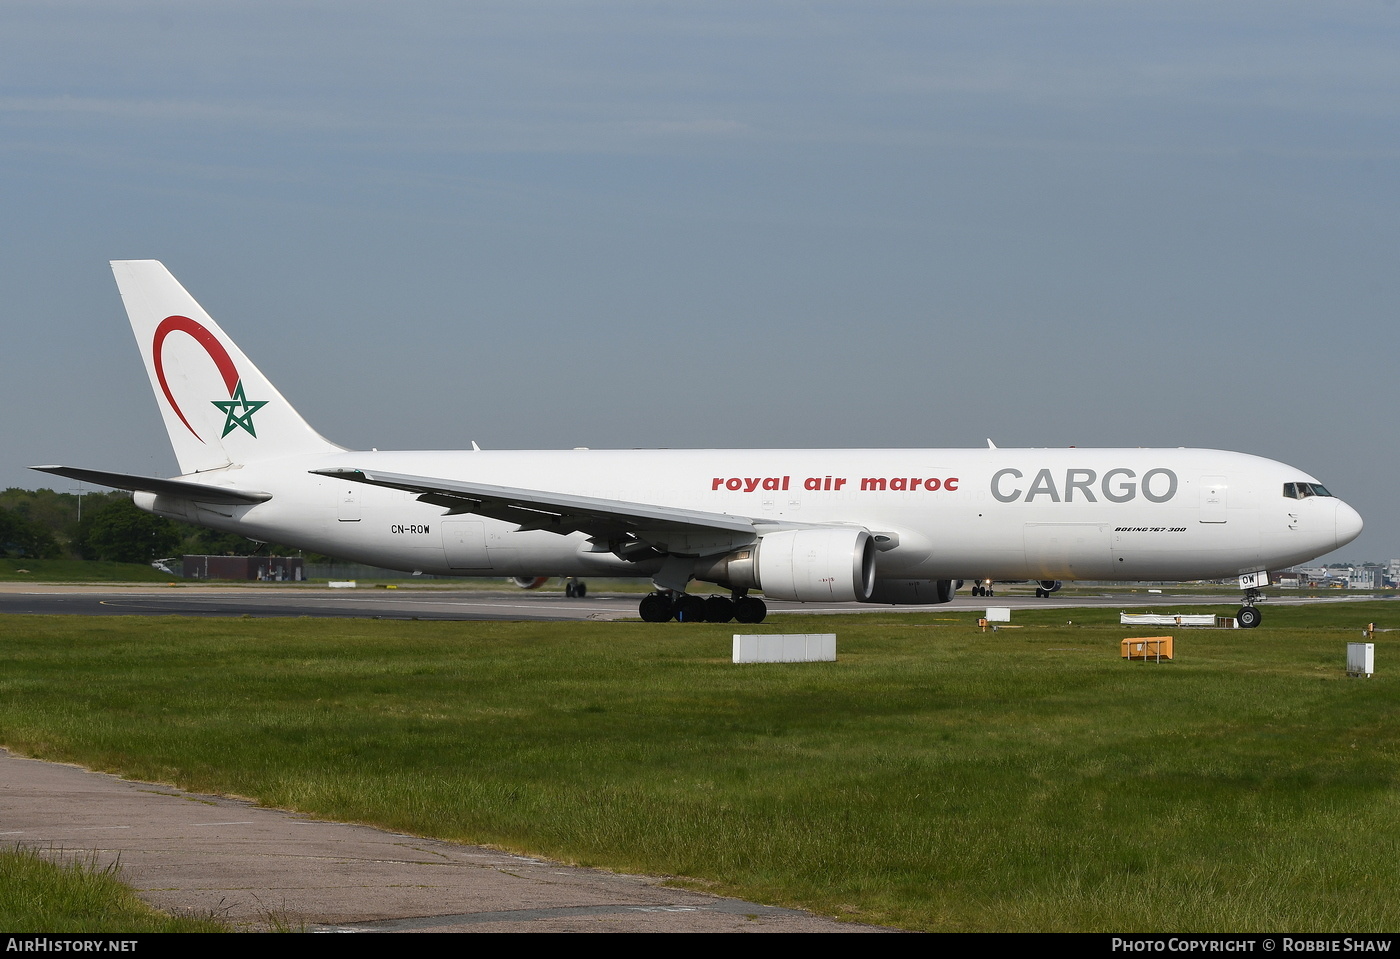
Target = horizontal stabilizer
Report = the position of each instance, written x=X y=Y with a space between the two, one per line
x=197 y=492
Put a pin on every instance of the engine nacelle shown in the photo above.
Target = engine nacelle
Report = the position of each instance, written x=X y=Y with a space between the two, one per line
x=529 y=582
x=912 y=592
x=817 y=565
x=834 y=565
x=1050 y=585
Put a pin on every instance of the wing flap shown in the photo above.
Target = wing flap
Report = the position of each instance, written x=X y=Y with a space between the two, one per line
x=689 y=530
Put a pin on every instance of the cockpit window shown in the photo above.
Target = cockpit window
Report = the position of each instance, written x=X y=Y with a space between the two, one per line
x=1304 y=490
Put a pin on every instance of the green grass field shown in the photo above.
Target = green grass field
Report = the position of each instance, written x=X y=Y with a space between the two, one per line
x=936 y=777
x=78 y=570
x=39 y=895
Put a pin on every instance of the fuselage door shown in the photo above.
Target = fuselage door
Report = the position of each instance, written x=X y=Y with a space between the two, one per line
x=1215 y=492
x=464 y=544
x=348 y=503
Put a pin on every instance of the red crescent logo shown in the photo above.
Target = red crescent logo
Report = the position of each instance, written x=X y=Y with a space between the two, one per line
x=211 y=345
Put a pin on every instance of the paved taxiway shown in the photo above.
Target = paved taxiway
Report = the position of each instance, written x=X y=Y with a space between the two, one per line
x=479 y=604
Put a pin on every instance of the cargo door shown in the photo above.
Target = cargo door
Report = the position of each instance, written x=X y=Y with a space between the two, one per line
x=464 y=544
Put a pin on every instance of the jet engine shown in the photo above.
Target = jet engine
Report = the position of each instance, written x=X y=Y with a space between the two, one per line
x=832 y=565
x=529 y=582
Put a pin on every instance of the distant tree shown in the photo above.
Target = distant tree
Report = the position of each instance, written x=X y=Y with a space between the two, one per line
x=121 y=533
x=21 y=537
x=57 y=513
x=213 y=542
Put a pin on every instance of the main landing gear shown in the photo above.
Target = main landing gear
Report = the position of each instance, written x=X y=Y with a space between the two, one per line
x=575 y=588
x=664 y=606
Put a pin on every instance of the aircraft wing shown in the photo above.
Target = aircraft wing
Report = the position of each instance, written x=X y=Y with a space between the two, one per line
x=183 y=489
x=670 y=530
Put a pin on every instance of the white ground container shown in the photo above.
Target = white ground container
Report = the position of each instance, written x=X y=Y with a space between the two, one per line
x=785 y=647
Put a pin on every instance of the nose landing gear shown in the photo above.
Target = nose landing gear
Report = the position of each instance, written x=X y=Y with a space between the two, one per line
x=1249 y=616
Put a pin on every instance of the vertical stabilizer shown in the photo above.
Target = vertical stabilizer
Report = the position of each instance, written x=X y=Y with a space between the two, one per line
x=218 y=407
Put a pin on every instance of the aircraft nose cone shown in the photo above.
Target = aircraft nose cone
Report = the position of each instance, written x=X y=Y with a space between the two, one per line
x=1349 y=524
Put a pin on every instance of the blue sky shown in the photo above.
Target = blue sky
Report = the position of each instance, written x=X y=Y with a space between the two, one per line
x=788 y=224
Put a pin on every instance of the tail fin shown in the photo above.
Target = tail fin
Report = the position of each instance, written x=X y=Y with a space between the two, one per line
x=218 y=407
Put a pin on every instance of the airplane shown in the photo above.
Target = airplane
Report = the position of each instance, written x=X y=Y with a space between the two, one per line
x=891 y=526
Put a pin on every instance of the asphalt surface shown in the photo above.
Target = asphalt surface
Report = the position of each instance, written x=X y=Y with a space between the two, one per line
x=413 y=602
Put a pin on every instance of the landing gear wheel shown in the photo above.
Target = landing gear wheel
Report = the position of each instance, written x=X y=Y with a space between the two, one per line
x=690 y=609
x=569 y=590
x=719 y=609
x=656 y=608
x=1248 y=617
x=1040 y=593
x=750 y=610
x=581 y=590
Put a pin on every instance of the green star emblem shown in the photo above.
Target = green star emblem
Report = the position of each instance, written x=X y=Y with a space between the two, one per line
x=243 y=419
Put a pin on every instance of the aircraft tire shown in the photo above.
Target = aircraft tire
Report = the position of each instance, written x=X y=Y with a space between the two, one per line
x=750 y=609
x=690 y=609
x=655 y=608
x=1248 y=617
x=719 y=609
x=569 y=590
x=581 y=590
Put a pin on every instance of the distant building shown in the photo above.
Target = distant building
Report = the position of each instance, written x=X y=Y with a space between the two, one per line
x=1366 y=577
x=1320 y=576
x=270 y=569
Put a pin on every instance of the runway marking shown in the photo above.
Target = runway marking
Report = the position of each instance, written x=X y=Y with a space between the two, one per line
x=242 y=822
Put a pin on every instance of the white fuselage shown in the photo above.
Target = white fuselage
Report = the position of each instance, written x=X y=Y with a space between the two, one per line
x=1066 y=514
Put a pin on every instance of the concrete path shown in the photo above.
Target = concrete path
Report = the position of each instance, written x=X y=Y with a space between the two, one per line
x=257 y=867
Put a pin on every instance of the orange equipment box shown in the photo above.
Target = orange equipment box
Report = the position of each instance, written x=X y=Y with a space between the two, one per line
x=1148 y=647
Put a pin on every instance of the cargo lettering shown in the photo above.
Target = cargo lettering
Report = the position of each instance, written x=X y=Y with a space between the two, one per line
x=1118 y=485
